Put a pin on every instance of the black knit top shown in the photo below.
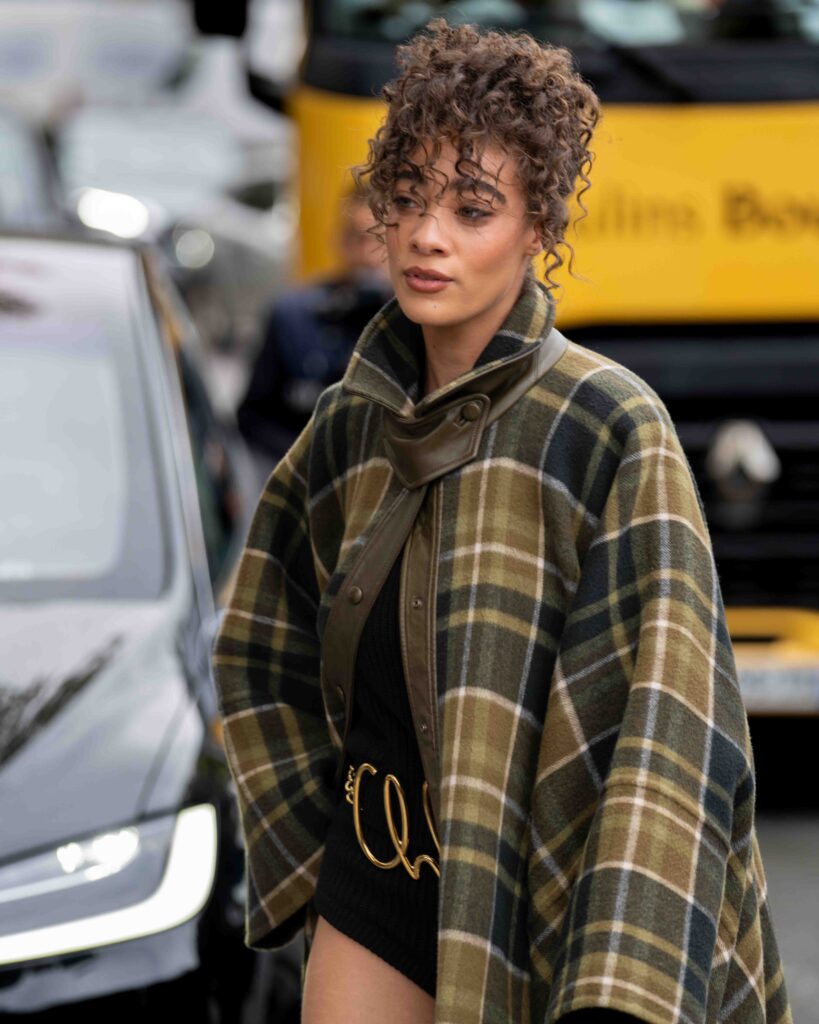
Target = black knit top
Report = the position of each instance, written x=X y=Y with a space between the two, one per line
x=392 y=914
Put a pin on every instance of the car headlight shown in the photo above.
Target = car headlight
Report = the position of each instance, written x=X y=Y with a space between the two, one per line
x=115 y=212
x=122 y=884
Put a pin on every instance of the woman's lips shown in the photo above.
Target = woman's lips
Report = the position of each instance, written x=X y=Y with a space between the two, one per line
x=427 y=281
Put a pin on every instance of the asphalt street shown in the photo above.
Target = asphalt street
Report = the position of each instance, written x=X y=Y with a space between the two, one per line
x=790 y=853
x=788 y=829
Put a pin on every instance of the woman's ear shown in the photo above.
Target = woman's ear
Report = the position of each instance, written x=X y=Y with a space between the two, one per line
x=535 y=245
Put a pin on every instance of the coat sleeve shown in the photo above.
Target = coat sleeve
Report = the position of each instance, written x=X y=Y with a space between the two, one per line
x=642 y=809
x=267 y=672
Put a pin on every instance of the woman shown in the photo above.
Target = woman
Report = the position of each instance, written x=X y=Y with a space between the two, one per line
x=536 y=802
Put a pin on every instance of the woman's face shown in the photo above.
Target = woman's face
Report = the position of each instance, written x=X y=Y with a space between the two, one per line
x=458 y=260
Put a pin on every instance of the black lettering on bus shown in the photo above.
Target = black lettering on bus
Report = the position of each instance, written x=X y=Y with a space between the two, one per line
x=746 y=211
x=620 y=214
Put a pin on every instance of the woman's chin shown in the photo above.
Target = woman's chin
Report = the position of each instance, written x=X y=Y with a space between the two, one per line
x=427 y=310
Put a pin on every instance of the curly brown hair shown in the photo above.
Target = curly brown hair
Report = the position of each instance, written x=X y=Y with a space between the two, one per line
x=475 y=89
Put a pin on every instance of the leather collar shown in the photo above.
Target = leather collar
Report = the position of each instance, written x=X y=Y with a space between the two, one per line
x=443 y=431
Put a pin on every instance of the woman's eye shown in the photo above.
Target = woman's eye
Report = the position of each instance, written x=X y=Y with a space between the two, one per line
x=403 y=202
x=474 y=213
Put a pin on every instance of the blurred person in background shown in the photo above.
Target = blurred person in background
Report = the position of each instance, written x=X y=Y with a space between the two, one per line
x=309 y=336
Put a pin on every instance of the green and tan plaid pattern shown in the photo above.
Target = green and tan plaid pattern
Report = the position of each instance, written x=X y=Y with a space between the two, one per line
x=597 y=789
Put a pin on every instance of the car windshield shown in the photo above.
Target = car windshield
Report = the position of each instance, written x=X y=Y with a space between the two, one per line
x=81 y=514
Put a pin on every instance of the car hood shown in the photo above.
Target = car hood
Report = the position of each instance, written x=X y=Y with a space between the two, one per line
x=89 y=696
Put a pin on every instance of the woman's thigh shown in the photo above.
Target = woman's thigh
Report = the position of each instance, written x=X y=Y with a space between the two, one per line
x=347 y=984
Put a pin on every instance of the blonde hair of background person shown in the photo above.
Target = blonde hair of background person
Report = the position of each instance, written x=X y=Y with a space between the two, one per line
x=573 y=687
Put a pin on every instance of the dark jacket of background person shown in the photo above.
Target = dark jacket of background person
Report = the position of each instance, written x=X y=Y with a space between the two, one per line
x=310 y=335
x=308 y=339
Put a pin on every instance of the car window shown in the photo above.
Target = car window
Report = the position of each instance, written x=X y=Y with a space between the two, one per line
x=82 y=513
x=214 y=475
x=64 y=470
x=24 y=195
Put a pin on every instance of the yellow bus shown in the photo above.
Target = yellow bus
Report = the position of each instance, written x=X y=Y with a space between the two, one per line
x=698 y=262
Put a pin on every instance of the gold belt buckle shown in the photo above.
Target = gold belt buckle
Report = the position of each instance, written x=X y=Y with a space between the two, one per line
x=400 y=841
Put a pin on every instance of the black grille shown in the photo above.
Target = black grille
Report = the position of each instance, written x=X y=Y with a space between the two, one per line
x=765 y=537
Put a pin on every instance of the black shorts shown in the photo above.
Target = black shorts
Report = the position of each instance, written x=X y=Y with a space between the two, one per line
x=386 y=911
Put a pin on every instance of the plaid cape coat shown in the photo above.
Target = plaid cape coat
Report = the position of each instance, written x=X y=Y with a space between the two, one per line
x=569 y=669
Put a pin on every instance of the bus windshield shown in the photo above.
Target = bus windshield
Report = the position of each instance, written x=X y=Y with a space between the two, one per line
x=580 y=22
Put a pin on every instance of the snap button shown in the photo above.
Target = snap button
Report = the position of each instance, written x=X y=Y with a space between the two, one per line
x=471 y=411
x=417 y=602
x=423 y=726
x=355 y=595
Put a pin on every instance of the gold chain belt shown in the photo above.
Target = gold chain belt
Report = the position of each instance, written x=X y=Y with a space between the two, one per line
x=400 y=840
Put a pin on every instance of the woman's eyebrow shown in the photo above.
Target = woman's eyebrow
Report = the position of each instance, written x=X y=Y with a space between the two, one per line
x=467 y=184
x=461 y=184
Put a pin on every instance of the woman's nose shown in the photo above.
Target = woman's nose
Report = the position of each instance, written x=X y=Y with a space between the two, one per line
x=427 y=235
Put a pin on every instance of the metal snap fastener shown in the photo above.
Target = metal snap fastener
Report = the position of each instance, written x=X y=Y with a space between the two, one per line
x=355 y=595
x=417 y=602
x=471 y=411
x=423 y=726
